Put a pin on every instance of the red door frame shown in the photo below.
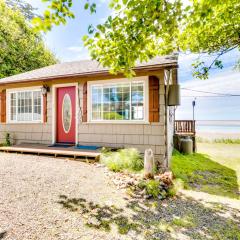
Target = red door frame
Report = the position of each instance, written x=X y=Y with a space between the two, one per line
x=55 y=110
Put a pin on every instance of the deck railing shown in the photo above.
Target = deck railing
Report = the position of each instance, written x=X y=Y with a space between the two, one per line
x=184 y=127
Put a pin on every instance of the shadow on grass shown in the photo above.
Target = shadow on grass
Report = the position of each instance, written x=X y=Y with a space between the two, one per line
x=199 y=172
x=172 y=219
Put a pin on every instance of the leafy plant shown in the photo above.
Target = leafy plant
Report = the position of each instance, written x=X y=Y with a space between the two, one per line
x=7 y=140
x=124 y=159
x=152 y=187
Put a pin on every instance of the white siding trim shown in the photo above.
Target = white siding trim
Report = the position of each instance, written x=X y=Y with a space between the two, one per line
x=120 y=80
x=8 y=105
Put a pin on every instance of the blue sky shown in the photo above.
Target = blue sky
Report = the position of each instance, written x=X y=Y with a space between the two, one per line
x=65 y=42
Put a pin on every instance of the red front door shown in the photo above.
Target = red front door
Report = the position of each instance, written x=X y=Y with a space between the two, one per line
x=66 y=110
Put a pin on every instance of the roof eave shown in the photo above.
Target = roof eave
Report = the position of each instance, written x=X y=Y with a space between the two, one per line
x=154 y=67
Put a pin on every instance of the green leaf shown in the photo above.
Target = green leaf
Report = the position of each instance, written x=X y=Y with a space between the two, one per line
x=86 y=6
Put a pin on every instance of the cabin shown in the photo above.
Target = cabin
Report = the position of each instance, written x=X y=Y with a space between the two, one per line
x=81 y=104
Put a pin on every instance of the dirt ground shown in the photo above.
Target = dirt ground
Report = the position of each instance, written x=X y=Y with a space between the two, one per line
x=52 y=198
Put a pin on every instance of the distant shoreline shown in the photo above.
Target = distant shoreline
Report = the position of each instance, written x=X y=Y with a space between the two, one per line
x=212 y=135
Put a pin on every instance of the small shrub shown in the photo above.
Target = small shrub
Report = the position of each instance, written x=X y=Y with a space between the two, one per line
x=7 y=141
x=152 y=187
x=124 y=159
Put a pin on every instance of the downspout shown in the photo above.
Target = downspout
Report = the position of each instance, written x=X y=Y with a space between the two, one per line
x=167 y=76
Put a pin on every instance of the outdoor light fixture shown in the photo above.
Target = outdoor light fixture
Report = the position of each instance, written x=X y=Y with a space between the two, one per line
x=44 y=90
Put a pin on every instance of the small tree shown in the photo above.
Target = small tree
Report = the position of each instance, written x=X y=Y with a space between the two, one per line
x=21 y=49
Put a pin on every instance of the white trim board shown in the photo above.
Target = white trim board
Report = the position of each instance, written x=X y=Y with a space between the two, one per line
x=143 y=79
x=8 y=106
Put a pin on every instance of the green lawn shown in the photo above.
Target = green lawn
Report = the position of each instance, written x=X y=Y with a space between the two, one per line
x=215 y=169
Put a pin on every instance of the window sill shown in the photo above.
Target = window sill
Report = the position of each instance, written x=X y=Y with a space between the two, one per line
x=119 y=122
x=40 y=122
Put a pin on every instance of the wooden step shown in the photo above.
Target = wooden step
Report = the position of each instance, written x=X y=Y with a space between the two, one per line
x=50 y=151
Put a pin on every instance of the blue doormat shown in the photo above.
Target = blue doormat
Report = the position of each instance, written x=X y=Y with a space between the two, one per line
x=86 y=147
x=61 y=145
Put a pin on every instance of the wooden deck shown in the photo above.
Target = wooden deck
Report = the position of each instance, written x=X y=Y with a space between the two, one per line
x=42 y=149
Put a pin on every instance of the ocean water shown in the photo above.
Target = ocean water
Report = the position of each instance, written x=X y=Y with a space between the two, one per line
x=218 y=129
x=218 y=126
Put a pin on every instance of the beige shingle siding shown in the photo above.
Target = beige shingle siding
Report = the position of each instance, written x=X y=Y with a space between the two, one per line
x=30 y=132
x=140 y=136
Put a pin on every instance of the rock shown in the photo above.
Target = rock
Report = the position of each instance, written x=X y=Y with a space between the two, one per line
x=99 y=165
x=93 y=221
x=147 y=196
x=143 y=192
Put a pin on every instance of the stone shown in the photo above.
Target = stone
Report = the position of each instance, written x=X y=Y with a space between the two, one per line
x=93 y=221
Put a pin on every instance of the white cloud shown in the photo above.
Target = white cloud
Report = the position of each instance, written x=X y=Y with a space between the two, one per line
x=224 y=82
x=77 y=53
x=75 y=49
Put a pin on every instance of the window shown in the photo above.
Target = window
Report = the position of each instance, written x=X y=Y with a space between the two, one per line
x=118 y=101
x=25 y=106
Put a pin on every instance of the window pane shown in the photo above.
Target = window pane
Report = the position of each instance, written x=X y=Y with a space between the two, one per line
x=137 y=101
x=37 y=108
x=116 y=102
x=13 y=107
x=96 y=102
x=25 y=106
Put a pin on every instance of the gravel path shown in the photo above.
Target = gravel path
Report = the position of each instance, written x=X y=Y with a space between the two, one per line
x=45 y=198
x=31 y=188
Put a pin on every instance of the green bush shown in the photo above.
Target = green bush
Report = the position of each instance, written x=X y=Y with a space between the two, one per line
x=7 y=141
x=152 y=187
x=123 y=159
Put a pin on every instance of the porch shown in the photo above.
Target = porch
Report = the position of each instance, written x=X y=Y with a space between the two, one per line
x=43 y=149
x=185 y=128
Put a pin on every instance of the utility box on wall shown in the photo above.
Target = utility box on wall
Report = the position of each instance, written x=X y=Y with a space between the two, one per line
x=174 y=95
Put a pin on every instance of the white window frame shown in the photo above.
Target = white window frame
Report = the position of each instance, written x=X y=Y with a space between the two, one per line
x=31 y=89
x=122 y=80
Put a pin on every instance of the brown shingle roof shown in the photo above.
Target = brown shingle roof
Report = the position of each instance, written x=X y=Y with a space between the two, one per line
x=81 y=68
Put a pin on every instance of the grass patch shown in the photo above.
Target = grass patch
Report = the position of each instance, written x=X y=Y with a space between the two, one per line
x=185 y=221
x=123 y=159
x=201 y=173
x=219 y=140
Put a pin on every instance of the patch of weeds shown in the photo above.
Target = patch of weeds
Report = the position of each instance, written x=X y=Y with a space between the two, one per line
x=178 y=184
x=230 y=231
x=152 y=187
x=123 y=159
x=186 y=221
x=219 y=140
x=7 y=140
x=227 y=140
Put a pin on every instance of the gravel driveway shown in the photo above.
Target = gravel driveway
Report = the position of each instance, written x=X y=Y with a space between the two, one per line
x=45 y=198
x=31 y=189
